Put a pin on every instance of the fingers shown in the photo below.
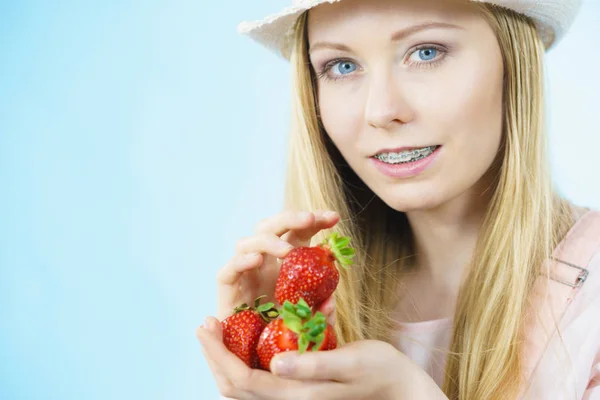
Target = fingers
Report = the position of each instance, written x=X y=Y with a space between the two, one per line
x=234 y=377
x=264 y=243
x=303 y=236
x=249 y=256
x=284 y=221
x=239 y=264
x=332 y=365
x=328 y=309
x=214 y=326
x=223 y=383
x=229 y=371
x=253 y=270
x=298 y=227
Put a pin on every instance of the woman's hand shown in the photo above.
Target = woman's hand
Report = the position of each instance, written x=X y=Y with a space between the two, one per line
x=254 y=268
x=365 y=369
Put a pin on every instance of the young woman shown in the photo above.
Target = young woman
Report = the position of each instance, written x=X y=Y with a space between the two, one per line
x=418 y=131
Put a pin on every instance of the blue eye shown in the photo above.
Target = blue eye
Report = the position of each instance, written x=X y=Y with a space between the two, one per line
x=338 y=69
x=343 y=67
x=427 y=54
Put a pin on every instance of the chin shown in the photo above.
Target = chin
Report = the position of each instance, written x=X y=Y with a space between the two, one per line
x=402 y=201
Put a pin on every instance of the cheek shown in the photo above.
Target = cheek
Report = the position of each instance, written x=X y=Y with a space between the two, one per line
x=341 y=115
x=472 y=116
x=482 y=112
x=476 y=113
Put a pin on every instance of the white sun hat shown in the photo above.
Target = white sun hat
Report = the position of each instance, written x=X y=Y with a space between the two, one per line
x=553 y=18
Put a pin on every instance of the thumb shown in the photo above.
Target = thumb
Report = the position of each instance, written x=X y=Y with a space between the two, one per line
x=214 y=327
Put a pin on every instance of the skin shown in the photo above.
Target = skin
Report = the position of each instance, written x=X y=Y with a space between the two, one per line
x=453 y=99
x=376 y=93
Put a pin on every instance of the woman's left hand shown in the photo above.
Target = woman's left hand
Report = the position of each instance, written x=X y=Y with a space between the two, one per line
x=366 y=369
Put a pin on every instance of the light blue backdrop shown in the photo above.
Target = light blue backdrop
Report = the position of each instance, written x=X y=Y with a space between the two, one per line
x=138 y=141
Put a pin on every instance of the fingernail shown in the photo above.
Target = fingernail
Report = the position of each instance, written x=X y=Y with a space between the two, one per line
x=330 y=214
x=283 y=366
x=284 y=246
x=303 y=214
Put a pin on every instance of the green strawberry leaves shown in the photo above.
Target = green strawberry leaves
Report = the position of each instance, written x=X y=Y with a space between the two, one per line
x=267 y=311
x=339 y=246
x=309 y=328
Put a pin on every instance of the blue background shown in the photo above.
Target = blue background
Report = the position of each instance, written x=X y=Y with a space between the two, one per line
x=138 y=141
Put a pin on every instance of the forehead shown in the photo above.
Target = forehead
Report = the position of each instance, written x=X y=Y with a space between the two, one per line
x=329 y=18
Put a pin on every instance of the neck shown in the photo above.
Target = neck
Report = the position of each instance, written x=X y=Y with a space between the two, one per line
x=445 y=238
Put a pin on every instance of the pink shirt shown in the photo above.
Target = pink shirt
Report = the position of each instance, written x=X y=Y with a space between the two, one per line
x=574 y=375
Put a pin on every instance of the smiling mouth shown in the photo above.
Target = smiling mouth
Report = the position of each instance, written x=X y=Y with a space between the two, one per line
x=405 y=156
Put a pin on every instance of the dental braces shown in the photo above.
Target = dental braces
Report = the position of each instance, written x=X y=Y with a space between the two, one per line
x=403 y=157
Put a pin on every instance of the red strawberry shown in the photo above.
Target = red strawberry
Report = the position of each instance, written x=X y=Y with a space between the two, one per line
x=242 y=330
x=296 y=331
x=310 y=272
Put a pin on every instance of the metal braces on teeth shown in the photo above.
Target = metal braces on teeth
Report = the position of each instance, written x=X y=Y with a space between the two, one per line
x=395 y=158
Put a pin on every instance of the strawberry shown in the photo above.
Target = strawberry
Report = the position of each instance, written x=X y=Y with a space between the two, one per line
x=242 y=330
x=297 y=330
x=310 y=272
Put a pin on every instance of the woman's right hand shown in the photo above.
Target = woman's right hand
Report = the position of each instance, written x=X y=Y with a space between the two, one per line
x=254 y=268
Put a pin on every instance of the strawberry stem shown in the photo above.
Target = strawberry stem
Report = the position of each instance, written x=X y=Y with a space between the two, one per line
x=309 y=328
x=267 y=311
x=258 y=299
x=339 y=246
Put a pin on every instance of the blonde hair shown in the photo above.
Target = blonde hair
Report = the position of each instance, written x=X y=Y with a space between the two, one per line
x=525 y=220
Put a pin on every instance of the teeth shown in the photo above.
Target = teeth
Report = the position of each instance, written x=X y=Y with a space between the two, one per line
x=405 y=156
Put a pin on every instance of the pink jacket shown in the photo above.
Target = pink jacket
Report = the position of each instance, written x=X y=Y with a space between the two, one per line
x=559 y=366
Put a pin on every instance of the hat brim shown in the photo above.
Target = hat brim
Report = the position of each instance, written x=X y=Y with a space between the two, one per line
x=274 y=31
x=552 y=18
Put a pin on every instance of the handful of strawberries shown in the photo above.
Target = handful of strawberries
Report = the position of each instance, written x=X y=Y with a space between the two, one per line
x=307 y=278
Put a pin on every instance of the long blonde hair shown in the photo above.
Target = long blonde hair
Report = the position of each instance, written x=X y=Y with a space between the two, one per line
x=525 y=220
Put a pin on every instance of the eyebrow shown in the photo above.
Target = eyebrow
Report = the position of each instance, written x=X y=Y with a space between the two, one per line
x=401 y=34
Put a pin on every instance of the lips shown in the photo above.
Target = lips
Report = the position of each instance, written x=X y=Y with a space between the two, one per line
x=406 y=169
x=404 y=149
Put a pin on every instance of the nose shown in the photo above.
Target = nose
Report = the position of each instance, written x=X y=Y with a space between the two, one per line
x=387 y=105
